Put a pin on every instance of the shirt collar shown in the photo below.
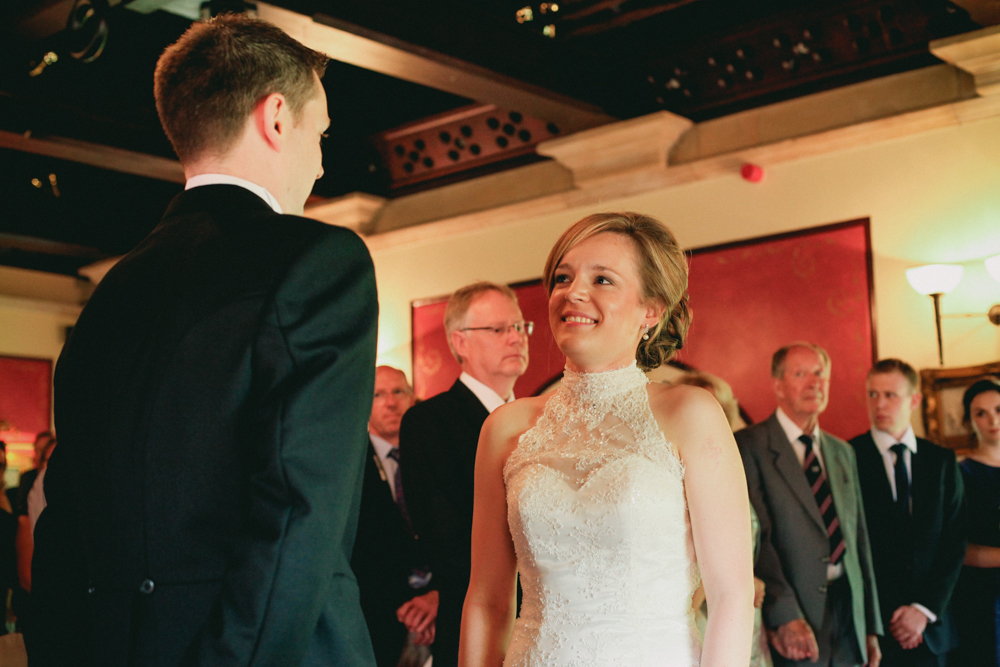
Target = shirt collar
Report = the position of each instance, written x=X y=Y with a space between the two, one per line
x=381 y=445
x=225 y=179
x=792 y=430
x=884 y=441
x=486 y=395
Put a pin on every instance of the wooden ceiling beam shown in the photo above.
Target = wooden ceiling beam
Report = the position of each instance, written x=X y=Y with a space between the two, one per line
x=382 y=53
x=96 y=155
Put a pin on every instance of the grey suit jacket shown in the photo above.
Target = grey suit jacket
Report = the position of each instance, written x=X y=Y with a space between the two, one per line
x=794 y=546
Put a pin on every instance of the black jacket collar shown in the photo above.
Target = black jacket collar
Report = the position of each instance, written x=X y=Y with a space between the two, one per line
x=223 y=200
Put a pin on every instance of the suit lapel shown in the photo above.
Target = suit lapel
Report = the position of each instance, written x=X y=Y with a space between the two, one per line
x=870 y=459
x=383 y=475
x=924 y=487
x=475 y=409
x=787 y=465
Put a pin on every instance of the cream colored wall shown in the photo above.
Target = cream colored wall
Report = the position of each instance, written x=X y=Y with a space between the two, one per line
x=32 y=331
x=35 y=309
x=933 y=197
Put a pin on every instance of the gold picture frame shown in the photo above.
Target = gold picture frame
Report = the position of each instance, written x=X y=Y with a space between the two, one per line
x=942 y=402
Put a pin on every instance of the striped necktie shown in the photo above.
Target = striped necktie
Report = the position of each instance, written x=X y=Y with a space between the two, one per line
x=397 y=487
x=816 y=477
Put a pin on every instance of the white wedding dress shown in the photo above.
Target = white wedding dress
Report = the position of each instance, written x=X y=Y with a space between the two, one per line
x=596 y=508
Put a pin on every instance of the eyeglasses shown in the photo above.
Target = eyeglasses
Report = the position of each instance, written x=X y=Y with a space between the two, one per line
x=395 y=393
x=522 y=328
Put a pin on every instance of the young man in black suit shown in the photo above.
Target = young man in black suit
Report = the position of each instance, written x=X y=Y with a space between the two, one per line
x=912 y=492
x=391 y=570
x=489 y=338
x=212 y=399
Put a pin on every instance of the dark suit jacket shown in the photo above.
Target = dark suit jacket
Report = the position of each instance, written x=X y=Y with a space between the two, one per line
x=211 y=405
x=385 y=554
x=919 y=562
x=794 y=546
x=438 y=442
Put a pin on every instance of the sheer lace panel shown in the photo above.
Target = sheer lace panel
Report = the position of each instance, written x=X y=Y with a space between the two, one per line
x=597 y=512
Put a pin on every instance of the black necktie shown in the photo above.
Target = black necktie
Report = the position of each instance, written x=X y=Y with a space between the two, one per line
x=816 y=477
x=397 y=485
x=902 y=479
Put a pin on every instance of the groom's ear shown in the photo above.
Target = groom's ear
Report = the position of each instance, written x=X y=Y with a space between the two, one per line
x=271 y=118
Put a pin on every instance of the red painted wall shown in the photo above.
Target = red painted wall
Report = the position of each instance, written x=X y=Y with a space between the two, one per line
x=748 y=299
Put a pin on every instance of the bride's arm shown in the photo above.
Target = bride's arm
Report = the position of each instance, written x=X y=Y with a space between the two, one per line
x=490 y=604
x=716 y=490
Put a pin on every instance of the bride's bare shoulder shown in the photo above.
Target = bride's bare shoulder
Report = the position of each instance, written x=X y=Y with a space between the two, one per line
x=683 y=411
x=678 y=400
x=506 y=424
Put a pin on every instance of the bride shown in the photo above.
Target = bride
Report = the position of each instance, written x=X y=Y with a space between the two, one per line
x=611 y=494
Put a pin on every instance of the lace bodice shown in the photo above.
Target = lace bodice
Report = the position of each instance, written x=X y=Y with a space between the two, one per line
x=596 y=509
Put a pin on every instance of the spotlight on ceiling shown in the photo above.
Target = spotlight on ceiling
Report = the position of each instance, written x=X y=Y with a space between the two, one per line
x=87 y=30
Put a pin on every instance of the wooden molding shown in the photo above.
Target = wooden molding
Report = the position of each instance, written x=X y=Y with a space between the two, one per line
x=637 y=182
x=978 y=53
x=96 y=155
x=356 y=211
x=381 y=53
x=611 y=151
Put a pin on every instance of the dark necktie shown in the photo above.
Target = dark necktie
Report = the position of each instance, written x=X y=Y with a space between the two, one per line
x=397 y=485
x=902 y=480
x=816 y=477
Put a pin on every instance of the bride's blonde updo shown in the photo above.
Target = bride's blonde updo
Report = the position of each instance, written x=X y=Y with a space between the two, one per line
x=662 y=269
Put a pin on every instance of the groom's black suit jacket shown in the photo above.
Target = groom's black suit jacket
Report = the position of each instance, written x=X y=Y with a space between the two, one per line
x=917 y=560
x=211 y=405
x=437 y=443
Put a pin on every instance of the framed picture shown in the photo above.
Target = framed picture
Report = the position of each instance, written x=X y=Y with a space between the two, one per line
x=942 y=404
x=753 y=296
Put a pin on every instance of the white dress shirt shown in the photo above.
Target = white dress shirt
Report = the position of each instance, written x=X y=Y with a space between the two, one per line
x=884 y=442
x=792 y=432
x=225 y=179
x=489 y=398
x=389 y=465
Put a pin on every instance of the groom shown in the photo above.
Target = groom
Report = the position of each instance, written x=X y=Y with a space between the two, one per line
x=212 y=400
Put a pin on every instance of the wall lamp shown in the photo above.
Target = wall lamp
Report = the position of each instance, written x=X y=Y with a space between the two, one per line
x=936 y=280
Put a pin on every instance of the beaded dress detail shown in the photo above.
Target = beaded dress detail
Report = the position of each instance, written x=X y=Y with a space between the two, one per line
x=596 y=509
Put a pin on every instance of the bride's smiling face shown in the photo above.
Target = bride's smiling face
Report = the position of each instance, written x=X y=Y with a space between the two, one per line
x=596 y=309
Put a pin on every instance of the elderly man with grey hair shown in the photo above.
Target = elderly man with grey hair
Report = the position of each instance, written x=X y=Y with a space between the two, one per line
x=438 y=440
x=821 y=605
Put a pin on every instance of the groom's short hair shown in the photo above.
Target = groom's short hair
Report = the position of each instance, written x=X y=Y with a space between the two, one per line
x=208 y=82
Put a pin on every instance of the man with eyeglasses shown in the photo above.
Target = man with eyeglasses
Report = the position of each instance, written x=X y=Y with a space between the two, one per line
x=392 y=572
x=489 y=338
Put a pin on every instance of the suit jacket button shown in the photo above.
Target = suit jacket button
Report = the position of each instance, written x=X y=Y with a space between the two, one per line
x=146 y=587
x=822 y=589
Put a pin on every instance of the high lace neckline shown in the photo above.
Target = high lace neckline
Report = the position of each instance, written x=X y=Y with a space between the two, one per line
x=592 y=387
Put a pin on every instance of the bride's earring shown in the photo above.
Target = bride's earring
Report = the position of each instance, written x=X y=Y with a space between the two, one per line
x=645 y=334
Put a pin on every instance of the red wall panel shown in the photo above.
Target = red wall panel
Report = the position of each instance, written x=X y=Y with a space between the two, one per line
x=748 y=299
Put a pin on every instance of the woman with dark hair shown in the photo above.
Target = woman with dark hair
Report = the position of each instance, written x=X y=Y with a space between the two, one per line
x=976 y=602
x=601 y=493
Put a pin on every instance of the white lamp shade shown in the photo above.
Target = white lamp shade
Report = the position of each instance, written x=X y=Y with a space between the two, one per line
x=935 y=278
x=993 y=266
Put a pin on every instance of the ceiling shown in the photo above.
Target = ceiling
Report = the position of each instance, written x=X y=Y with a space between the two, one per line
x=548 y=68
